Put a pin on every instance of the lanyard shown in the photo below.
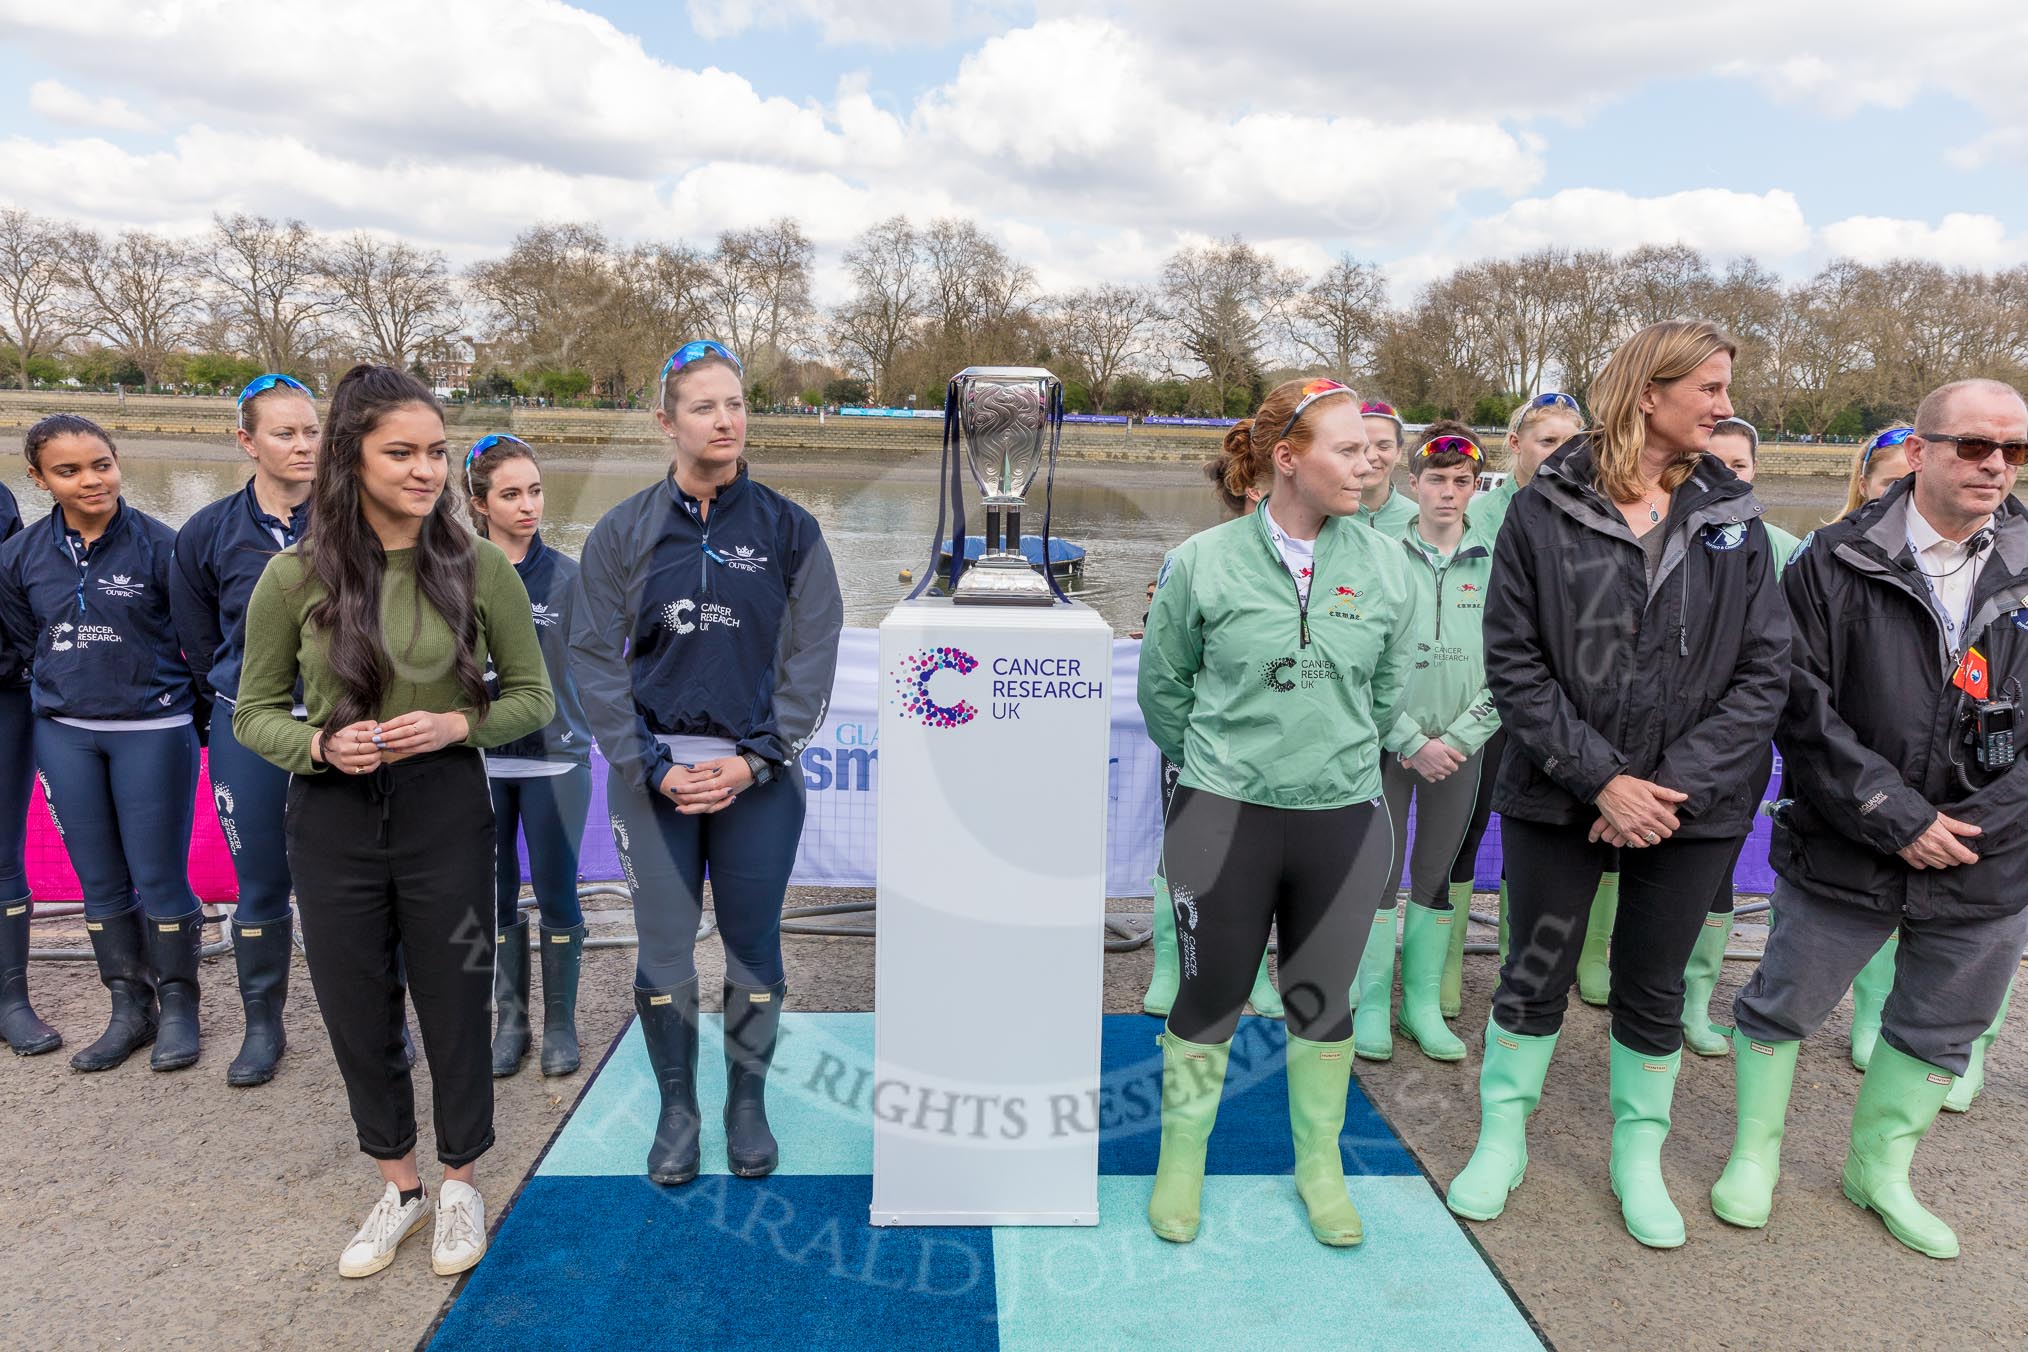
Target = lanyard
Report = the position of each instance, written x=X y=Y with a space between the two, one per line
x=1951 y=623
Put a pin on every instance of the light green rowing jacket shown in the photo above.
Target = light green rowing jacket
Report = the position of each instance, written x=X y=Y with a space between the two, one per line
x=1446 y=695
x=1265 y=700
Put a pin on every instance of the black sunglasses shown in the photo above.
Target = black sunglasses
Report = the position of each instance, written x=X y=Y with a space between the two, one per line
x=1978 y=448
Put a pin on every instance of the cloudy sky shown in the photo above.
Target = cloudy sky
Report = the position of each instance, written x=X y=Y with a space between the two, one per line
x=1091 y=137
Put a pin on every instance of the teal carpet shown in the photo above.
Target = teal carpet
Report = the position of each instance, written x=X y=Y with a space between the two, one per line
x=591 y=1256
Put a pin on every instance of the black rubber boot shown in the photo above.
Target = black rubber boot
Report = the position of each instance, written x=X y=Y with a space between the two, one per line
x=753 y=1019
x=510 y=999
x=562 y=958
x=172 y=952
x=669 y=1027
x=117 y=944
x=262 y=953
x=23 y=1029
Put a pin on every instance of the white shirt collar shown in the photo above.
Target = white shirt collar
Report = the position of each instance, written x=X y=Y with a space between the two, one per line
x=1924 y=538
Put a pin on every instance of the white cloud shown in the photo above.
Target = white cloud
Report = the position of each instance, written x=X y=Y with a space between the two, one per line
x=1718 y=221
x=884 y=23
x=1959 y=240
x=58 y=102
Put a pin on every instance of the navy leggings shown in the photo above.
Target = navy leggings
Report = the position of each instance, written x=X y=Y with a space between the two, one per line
x=251 y=795
x=550 y=813
x=17 y=776
x=123 y=802
x=749 y=849
x=1464 y=868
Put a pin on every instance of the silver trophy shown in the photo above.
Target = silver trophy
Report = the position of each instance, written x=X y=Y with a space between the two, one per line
x=1009 y=418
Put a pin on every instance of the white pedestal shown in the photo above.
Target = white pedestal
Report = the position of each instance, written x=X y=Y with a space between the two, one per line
x=991 y=930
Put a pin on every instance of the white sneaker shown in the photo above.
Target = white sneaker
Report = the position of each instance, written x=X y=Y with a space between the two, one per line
x=387 y=1225
x=461 y=1229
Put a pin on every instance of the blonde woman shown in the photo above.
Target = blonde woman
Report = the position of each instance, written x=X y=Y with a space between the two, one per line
x=1875 y=468
x=1637 y=653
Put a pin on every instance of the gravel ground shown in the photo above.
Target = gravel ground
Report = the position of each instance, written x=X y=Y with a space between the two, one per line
x=169 y=1211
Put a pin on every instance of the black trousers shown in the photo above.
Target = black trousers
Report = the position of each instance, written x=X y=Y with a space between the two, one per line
x=1552 y=872
x=1234 y=870
x=402 y=859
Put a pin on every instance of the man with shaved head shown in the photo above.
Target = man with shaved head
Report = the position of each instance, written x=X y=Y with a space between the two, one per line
x=1906 y=811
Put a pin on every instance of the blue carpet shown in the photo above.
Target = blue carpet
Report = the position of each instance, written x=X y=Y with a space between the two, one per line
x=592 y=1257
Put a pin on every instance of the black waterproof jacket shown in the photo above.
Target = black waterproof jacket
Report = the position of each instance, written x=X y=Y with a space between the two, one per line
x=1873 y=740
x=1598 y=672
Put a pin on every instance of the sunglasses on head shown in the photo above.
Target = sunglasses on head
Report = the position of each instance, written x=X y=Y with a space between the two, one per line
x=1554 y=399
x=262 y=384
x=487 y=443
x=1893 y=436
x=1462 y=446
x=1312 y=392
x=1976 y=449
x=697 y=351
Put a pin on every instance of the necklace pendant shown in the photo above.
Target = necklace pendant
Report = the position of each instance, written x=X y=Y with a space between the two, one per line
x=1654 y=515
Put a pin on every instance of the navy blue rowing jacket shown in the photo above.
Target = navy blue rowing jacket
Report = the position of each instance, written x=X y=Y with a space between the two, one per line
x=719 y=627
x=551 y=580
x=96 y=619
x=220 y=553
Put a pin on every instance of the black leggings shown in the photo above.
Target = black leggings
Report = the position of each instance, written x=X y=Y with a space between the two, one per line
x=1234 y=870
x=1465 y=867
x=1552 y=874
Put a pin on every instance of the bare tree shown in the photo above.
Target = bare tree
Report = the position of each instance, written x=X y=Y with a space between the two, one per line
x=270 y=282
x=1102 y=330
x=1526 y=296
x=1830 y=349
x=1342 y=315
x=979 y=297
x=1591 y=318
x=31 y=287
x=1225 y=301
x=551 y=292
x=396 y=296
x=886 y=309
x=137 y=292
x=1663 y=281
x=761 y=293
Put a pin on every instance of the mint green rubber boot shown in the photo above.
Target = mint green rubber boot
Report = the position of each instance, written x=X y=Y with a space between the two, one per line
x=1643 y=1088
x=1763 y=1075
x=1167 y=976
x=1320 y=1076
x=1700 y=978
x=1425 y=944
x=1193 y=1077
x=1974 y=1079
x=1373 y=1011
x=1265 y=999
x=1899 y=1100
x=1451 y=993
x=1869 y=996
x=1510 y=1085
x=1594 y=973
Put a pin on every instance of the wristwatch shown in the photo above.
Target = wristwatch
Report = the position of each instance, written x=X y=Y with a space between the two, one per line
x=762 y=768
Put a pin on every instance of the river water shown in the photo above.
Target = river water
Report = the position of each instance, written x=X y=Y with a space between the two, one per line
x=878 y=514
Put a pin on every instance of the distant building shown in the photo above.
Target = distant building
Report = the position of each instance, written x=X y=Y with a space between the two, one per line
x=449 y=363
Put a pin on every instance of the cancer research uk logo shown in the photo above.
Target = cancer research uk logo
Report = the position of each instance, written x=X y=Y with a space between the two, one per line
x=1016 y=683
x=912 y=682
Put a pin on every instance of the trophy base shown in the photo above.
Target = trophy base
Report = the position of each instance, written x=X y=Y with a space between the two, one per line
x=996 y=582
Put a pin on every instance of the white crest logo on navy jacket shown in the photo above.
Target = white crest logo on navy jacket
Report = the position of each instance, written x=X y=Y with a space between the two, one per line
x=121 y=585
x=543 y=616
x=745 y=559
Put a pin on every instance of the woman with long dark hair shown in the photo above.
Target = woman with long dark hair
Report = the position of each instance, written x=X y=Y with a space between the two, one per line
x=386 y=613
x=220 y=553
x=1637 y=653
x=704 y=638
x=85 y=592
x=542 y=782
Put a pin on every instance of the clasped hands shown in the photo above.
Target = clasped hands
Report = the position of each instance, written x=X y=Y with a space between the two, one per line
x=707 y=786
x=359 y=748
x=1635 y=813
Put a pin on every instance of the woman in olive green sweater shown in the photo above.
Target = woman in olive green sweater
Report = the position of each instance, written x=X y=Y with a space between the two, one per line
x=385 y=615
